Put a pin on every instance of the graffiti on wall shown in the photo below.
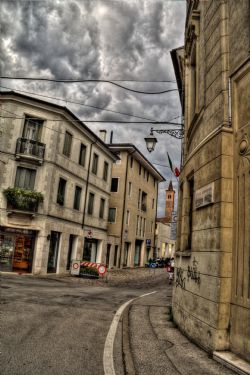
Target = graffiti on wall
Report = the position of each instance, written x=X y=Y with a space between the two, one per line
x=180 y=279
x=192 y=273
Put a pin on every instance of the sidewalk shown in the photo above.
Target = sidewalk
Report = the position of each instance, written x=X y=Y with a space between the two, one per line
x=151 y=344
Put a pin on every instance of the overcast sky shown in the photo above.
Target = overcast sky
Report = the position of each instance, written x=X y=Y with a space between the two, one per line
x=100 y=39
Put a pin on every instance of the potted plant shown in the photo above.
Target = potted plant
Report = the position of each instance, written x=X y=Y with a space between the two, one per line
x=23 y=199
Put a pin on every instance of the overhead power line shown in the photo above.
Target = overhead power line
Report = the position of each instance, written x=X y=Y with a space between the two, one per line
x=84 y=81
x=81 y=104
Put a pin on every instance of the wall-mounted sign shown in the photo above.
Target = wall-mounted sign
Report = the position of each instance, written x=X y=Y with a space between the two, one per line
x=204 y=196
x=148 y=242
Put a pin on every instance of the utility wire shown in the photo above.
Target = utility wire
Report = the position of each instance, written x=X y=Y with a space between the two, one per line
x=113 y=80
x=92 y=80
x=78 y=103
x=104 y=121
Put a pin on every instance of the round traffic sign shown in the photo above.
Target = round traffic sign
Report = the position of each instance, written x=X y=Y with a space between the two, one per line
x=75 y=266
x=102 y=269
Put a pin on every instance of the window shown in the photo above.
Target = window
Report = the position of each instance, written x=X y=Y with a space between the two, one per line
x=67 y=144
x=61 y=191
x=129 y=189
x=105 y=171
x=127 y=217
x=112 y=215
x=102 y=206
x=191 y=199
x=140 y=169
x=82 y=155
x=114 y=185
x=147 y=176
x=144 y=173
x=77 y=197
x=131 y=162
x=144 y=201
x=139 y=199
x=95 y=163
x=91 y=203
x=25 y=178
x=153 y=203
x=137 y=224
x=169 y=196
x=32 y=128
x=144 y=227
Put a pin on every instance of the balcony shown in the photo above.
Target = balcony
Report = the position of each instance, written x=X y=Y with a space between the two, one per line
x=29 y=149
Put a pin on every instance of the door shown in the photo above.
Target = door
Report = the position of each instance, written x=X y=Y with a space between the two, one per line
x=137 y=259
x=70 y=250
x=126 y=251
x=6 y=252
x=108 y=254
x=240 y=307
x=53 y=252
x=23 y=253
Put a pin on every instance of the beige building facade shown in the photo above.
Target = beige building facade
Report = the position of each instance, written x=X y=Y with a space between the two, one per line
x=211 y=301
x=133 y=207
x=47 y=151
x=165 y=245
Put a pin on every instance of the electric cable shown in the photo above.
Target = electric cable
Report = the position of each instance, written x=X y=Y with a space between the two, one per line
x=82 y=81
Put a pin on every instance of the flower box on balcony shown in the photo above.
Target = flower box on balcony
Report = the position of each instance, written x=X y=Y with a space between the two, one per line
x=24 y=200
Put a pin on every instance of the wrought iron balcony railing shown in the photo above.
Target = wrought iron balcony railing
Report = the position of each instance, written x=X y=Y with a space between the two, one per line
x=28 y=148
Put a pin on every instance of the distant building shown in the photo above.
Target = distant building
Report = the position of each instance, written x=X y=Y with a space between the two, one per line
x=132 y=209
x=164 y=244
x=46 y=151
x=211 y=300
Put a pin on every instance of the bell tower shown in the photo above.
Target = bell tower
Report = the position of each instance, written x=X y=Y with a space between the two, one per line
x=170 y=193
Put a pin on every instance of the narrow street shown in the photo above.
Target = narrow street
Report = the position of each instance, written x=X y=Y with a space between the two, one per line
x=59 y=326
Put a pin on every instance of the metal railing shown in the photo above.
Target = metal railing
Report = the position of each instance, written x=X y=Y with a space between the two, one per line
x=29 y=147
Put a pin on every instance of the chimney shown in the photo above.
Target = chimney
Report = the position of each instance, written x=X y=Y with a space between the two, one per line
x=102 y=135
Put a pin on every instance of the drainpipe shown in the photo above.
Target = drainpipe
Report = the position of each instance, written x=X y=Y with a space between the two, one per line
x=124 y=204
x=87 y=184
x=156 y=204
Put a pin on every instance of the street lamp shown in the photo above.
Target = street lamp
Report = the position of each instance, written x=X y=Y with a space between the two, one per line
x=151 y=139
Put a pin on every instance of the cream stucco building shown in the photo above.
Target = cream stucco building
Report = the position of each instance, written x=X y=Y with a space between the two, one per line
x=46 y=148
x=132 y=210
x=211 y=300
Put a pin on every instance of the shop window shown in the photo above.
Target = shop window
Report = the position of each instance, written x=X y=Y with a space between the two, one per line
x=25 y=178
x=91 y=203
x=102 y=207
x=105 y=171
x=95 y=163
x=112 y=215
x=77 y=198
x=67 y=144
x=82 y=155
x=61 y=191
x=114 y=184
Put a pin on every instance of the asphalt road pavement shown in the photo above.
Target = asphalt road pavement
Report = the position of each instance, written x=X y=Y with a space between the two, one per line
x=54 y=326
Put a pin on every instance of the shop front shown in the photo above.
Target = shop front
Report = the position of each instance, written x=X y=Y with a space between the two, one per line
x=16 y=249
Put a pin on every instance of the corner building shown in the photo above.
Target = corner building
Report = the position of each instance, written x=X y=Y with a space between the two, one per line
x=132 y=209
x=45 y=148
x=211 y=300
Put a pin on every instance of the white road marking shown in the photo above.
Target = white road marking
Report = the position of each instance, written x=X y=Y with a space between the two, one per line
x=108 y=358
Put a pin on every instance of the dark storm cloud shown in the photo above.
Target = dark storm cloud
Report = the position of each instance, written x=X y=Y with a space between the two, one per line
x=116 y=39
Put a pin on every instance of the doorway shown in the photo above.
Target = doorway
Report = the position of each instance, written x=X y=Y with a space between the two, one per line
x=108 y=254
x=53 y=251
x=137 y=258
x=90 y=250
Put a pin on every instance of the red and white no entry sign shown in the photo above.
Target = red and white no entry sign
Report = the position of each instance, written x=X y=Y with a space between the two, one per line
x=102 y=269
